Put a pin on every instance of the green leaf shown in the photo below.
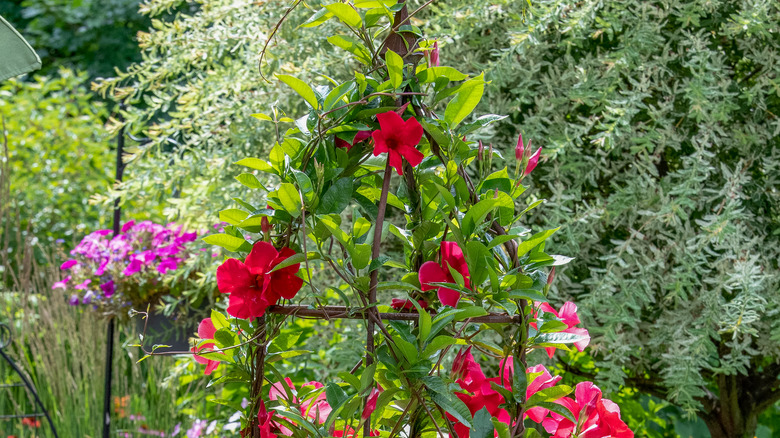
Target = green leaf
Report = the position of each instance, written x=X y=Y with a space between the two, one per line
x=334 y=228
x=558 y=338
x=361 y=255
x=395 y=68
x=519 y=384
x=480 y=122
x=230 y=243
x=318 y=18
x=250 y=181
x=482 y=427
x=465 y=101
x=255 y=163
x=336 y=94
x=407 y=349
x=452 y=405
x=335 y=395
x=548 y=395
x=533 y=241
x=527 y=294
x=290 y=199
x=225 y=338
x=346 y=14
x=295 y=259
x=337 y=198
x=367 y=378
x=360 y=227
x=232 y=216
x=558 y=409
x=219 y=320
x=431 y=74
x=353 y=46
x=300 y=87
x=439 y=343
x=476 y=215
x=263 y=117
x=276 y=357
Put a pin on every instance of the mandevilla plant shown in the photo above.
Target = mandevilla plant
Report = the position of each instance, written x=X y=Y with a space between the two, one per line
x=472 y=277
x=115 y=274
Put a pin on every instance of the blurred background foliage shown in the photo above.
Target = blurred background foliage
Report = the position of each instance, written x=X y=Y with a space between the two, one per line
x=659 y=122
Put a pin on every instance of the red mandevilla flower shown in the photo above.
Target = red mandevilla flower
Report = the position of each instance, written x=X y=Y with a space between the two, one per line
x=251 y=284
x=206 y=330
x=532 y=161
x=432 y=272
x=596 y=417
x=401 y=304
x=399 y=139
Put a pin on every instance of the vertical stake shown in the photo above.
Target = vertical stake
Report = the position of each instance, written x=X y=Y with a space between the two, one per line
x=120 y=168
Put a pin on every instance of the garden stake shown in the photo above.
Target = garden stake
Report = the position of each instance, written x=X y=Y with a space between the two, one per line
x=120 y=168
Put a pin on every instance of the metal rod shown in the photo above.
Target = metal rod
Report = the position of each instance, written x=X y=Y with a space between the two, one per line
x=32 y=390
x=120 y=169
x=341 y=312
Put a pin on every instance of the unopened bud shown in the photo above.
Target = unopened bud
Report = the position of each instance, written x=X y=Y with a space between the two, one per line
x=520 y=148
x=480 y=151
x=551 y=276
x=533 y=161
x=435 y=54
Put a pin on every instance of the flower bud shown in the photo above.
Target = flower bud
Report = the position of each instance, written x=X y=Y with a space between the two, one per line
x=551 y=276
x=435 y=54
x=520 y=148
x=480 y=151
x=533 y=161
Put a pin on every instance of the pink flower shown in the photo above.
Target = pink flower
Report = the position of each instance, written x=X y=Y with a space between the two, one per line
x=432 y=272
x=69 y=264
x=206 y=330
x=251 y=285
x=168 y=264
x=401 y=304
x=62 y=284
x=542 y=380
x=84 y=284
x=596 y=417
x=533 y=161
x=370 y=404
x=568 y=315
x=127 y=226
x=264 y=422
x=359 y=137
x=108 y=288
x=399 y=139
x=133 y=267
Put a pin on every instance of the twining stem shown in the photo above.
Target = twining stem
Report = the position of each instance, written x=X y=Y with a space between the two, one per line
x=380 y=219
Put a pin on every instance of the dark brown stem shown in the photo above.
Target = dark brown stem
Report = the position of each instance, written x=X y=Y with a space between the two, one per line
x=341 y=312
x=373 y=314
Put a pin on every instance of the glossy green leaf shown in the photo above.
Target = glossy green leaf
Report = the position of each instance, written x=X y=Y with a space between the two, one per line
x=345 y=13
x=300 y=87
x=465 y=101
x=395 y=68
x=353 y=46
x=290 y=199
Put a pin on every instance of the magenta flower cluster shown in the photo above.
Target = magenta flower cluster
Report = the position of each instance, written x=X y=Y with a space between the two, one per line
x=139 y=254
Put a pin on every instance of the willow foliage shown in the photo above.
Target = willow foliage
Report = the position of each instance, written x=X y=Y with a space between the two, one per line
x=659 y=121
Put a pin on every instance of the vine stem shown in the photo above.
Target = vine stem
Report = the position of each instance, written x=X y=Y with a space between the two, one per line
x=259 y=372
x=372 y=285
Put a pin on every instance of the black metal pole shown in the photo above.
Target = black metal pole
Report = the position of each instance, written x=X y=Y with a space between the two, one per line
x=120 y=168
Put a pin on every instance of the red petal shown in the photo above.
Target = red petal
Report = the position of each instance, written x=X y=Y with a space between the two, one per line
x=380 y=145
x=391 y=123
x=247 y=304
x=360 y=136
x=259 y=260
x=412 y=132
x=395 y=161
x=449 y=297
x=412 y=155
x=206 y=329
x=233 y=276
x=453 y=256
x=568 y=314
x=285 y=285
x=431 y=272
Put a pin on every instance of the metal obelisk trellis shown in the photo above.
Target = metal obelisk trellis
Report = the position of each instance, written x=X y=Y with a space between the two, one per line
x=120 y=169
